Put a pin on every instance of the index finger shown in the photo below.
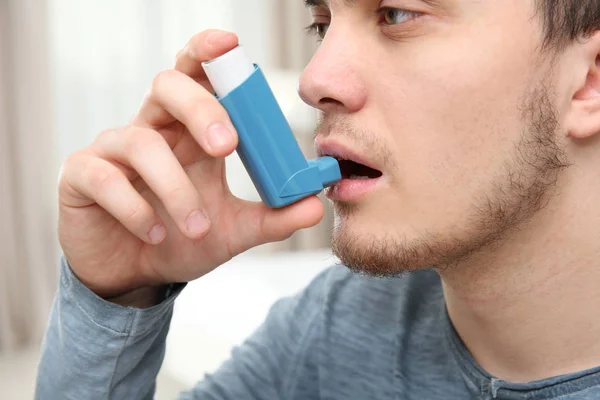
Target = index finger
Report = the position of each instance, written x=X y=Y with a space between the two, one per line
x=202 y=47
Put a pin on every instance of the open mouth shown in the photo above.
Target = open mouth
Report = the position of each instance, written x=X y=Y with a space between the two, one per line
x=355 y=171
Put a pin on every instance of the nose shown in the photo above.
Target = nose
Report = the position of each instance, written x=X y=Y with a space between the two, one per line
x=332 y=80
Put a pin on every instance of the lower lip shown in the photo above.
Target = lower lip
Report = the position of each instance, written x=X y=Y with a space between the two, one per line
x=351 y=189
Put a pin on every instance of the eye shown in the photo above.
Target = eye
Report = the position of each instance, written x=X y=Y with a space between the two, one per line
x=318 y=29
x=395 y=16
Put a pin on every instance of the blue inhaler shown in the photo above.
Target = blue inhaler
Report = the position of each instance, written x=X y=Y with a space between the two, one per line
x=267 y=146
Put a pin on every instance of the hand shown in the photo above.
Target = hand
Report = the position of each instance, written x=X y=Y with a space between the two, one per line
x=148 y=204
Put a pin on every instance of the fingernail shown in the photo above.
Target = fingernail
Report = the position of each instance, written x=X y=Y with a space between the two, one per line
x=157 y=234
x=219 y=136
x=197 y=223
x=215 y=38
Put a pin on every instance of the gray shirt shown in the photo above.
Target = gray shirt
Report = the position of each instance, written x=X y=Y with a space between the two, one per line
x=345 y=336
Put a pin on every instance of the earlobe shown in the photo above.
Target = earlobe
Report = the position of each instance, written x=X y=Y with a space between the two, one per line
x=584 y=118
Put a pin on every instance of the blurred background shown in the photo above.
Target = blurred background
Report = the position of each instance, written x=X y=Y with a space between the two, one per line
x=72 y=68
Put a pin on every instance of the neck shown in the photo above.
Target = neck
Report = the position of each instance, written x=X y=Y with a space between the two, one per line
x=529 y=311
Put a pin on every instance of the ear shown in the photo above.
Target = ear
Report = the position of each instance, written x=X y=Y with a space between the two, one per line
x=584 y=116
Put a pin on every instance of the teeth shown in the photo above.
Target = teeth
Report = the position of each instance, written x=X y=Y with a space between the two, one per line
x=359 y=177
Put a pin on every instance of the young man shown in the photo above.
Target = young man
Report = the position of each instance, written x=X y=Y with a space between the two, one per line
x=476 y=124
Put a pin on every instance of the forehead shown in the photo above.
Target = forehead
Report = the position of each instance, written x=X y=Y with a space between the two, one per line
x=350 y=3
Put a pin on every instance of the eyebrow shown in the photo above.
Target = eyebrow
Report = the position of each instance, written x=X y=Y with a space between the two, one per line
x=323 y=3
x=350 y=3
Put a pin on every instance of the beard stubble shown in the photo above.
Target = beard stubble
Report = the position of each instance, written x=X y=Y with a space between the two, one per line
x=519 y=192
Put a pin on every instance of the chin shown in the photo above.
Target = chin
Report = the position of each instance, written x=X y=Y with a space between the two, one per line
x=369 y=246
x=373 y=243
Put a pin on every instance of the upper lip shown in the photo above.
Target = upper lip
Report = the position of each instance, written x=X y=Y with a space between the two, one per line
x=338 y=151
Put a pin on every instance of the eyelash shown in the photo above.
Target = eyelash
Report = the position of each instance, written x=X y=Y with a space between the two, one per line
x=313 y=29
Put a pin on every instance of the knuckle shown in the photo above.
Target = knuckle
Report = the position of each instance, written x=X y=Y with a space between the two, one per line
x=193 y=46
x=197 y=42
x=175 y=193
x=105 y=133
x=136 y=212
x=69 y=164
x=180 y=54
x=100 y=177
x=162 y=80
x=140 y=140
x=103 y=137
x=206 y=106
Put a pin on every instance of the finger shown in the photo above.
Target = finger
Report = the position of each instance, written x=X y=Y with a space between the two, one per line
x=148 y=153
x=178 y=95
x=258 y=224
x=104 y=184
x=204 y=46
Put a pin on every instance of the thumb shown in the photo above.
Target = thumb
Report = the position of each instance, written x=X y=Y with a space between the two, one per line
x=259 y=224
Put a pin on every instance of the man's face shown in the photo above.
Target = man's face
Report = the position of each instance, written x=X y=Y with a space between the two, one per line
x=449 y=101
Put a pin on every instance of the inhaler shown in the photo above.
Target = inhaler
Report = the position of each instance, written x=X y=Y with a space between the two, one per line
x=267 y=147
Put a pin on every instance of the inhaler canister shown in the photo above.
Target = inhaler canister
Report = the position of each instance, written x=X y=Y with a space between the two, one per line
x=267 y=146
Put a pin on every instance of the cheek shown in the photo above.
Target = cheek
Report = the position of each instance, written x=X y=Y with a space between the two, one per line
x=454 y=115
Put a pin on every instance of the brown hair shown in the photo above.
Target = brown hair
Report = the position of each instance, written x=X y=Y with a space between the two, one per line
x=568 y=20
